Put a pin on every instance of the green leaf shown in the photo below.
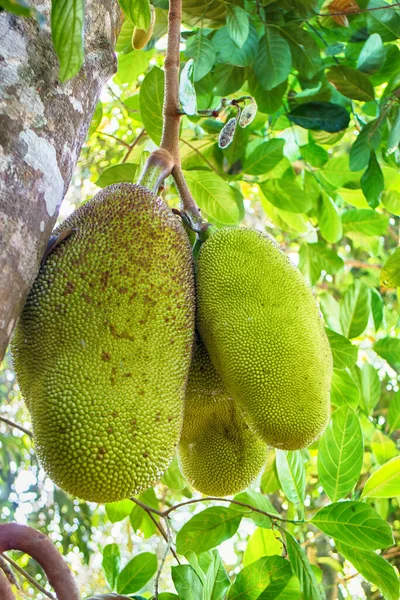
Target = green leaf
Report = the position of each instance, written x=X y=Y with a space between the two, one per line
x=202 y=50
x=110 y=564
x=227 y=79
x=208 y=529
x=302 y=568
x=237 y=22
x=343 y=351
x=384 y=22
x=374 y=568
x=216 y=581
x=268 y=102
x=360 y=153
x=117 y=174
x=286 y=195
x=383 y=447
x=371 y=388
x=315 y=258
x=394 y=412
x=389 y=349
x=117 y=511
x=22 y=9
x=365 y=221
x=262 y=580
x=319 y=116
x=137 y=573
x=329 y=221
x=263 y=542
x=354 y=523
x=385 y=482
x=258 y=501
x=354 y=310
x=376 y=307
x=151 y=103
x=96 y=119
x=372 y=181
x=337 y=172
x=390 y=274
x=305 y=51
x=351 y=83
x=124 y=41
x=173 y=477
x=138 y=11
x=372 y=55
x=228 y=52
x=340 y=454
x=344 y=389
x=394 y=134
x=264 y=158
x=131 y=65
x=274 y=60
x=391 y=201
x=67 y=30
x=292 y=475
x=186 y=582
x=214 y=195
x=314 y=154
x=139 y=518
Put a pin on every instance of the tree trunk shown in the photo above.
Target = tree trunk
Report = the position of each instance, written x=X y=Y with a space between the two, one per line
x=43 y=124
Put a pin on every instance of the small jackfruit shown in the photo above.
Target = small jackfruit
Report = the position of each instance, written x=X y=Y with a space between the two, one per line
x=219 y=455
x=141 y=37
x=262 y=327
x=103 y=346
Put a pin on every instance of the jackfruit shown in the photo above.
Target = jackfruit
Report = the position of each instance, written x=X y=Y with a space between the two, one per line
x=263 y=330
x=103 y=346
x=218 y=454
x=141 y=37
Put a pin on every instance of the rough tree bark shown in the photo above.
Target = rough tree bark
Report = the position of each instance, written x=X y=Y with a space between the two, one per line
x=43 y=124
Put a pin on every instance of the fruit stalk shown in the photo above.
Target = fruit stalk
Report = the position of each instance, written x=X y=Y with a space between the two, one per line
x=160 y=165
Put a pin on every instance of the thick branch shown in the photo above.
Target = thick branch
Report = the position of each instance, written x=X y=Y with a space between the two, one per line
x=5 y=588
x=16 y=426
x=39 y=547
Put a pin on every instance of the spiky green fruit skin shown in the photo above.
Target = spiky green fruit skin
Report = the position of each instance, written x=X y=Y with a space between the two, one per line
x=218 y=453
x=103 y=346
x=262 y=327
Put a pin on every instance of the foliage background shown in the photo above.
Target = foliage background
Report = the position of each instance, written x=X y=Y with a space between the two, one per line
x=318 y=169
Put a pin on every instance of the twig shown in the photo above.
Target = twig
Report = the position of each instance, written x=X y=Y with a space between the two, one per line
x=165 y=513
x=129 y=110
x=321 y=37
x=249 y=506
x=28 y=577
x=201 y=156
x=149 y=511
x=131 y=146
x=114 y=137
x=359 y=264
x=358 y=11
x=16 y=426
x=163 y=559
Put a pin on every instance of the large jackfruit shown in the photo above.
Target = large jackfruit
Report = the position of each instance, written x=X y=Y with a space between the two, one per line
x=102 y=349
x=218 y=453
x=261 y=325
